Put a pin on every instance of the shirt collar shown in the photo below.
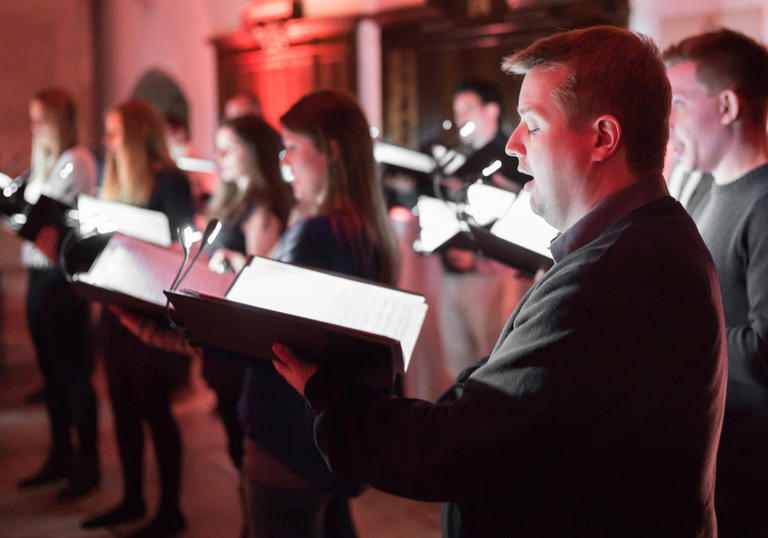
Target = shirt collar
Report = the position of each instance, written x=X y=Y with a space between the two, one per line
x=605 y=213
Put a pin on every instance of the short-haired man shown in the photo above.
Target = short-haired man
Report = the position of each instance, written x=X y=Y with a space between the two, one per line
x=718 y=125
x=599 y=410
x=242 y=104
x=477 y=294
x=479 y=103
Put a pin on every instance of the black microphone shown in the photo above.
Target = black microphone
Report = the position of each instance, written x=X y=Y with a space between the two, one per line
x=209 y=235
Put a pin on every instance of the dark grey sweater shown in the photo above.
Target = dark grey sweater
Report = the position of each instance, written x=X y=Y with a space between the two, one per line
x=597 y=413
x=734 y=225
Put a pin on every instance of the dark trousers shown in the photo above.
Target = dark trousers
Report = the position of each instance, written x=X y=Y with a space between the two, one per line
x=141 y=379
x=741 y=490
x=60 y=325
x=225 y=376
x=275 y=512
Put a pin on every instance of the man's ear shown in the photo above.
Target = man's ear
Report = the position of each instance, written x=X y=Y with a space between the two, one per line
x=608 y=131
x=729 y=107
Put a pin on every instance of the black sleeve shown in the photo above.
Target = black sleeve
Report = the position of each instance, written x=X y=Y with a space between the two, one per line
x=570 y=385
x=172 y=195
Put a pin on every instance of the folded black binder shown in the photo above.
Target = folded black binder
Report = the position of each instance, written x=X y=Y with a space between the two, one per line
x=46 y=226
x=513 y=255
x=518 y=238
x=340 y=318
x=12 y=202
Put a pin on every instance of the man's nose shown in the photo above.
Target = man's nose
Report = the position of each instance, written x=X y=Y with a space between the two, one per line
x=514 y=147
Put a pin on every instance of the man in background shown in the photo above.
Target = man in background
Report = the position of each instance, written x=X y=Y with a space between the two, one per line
x=477 y=294
x=599 y=410
x=242 y=104
x=718 y=125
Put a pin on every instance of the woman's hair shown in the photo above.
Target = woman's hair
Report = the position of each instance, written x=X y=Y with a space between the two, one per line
x=354 y=196
x=265 y=182
x=59 y=110
x=129 y=173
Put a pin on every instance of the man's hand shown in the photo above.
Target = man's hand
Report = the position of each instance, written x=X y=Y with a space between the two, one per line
x=289 y=365
x=47 y=242
x=453 y=184
x=460 y=259
x=225 y=260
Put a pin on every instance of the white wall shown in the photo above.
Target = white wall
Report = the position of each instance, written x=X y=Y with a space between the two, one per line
x=173 y=35
x=170 y=35
x=42 y=43
x=332 y=8
x=669 y=21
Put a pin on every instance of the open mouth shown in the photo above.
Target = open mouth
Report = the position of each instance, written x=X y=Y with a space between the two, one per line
x=528 y=185
x=677 y=146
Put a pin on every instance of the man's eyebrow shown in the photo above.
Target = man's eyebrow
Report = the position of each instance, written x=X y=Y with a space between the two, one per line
x=529 y=110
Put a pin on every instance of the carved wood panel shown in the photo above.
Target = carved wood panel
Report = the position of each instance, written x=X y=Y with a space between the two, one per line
x=459 y=40
x=307 y=56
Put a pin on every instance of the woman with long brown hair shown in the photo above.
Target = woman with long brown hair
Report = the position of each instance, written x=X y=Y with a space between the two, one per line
x=139 y=171
x=59 y=321
x=344 y=228
x=252 y=200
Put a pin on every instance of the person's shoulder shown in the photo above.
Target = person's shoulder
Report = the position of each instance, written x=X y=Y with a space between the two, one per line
x=76 y=169
x=79 y=159
x=170 y=175
x=78 y=154
x=758 y=196
x=306 y=235
x=755 y=218
x=171 y=180
x=655 y=239
x=314 y=227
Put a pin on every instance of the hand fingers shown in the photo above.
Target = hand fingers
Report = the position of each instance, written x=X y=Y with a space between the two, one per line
x=282 y=368
x=284 y=353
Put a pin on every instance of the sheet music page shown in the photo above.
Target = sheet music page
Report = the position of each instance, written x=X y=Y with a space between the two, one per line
x=143 y=270
x=437 y=222
x=145 y=224
x=487 y=203
x=523 y=227
x=322 y=297
x=406 y=158
x=118 y=269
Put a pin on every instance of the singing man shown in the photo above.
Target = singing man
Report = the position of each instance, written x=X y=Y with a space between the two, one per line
x=599 y=410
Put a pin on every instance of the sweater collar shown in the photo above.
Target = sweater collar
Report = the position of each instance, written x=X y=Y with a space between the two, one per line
x=605 y=213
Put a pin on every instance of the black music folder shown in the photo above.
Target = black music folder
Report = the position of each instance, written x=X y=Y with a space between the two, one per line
x=132 y=274
x=46 y=226
x=517 y=238
x=321 y=315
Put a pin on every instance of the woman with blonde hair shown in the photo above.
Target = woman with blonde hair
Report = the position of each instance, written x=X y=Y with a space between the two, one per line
x=138 y=168
x=59 y=321
x=289 y=489
x=139 y=171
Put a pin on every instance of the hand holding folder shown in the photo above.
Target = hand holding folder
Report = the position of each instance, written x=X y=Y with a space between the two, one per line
x=321 y=316
x=295 y=370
